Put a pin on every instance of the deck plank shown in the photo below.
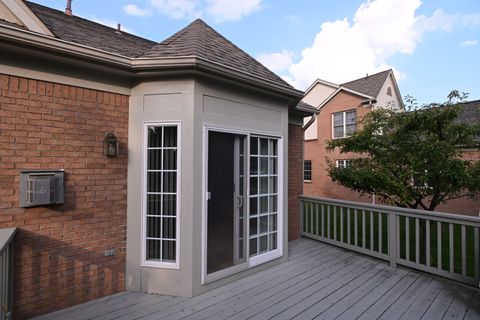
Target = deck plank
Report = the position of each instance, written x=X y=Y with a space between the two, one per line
x=423 y=302
x=459 y=306
x=249 y=306
x=319 y=281
x=219 y=295
x=365 y=302
x=383 y=303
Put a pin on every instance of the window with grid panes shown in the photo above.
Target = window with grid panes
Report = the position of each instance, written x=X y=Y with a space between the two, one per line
x=161 y=194
x=263 y=215
x=344 y=123
x=307 y=170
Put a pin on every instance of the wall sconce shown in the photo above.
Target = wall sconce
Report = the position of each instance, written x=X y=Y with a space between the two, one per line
x=110 y=145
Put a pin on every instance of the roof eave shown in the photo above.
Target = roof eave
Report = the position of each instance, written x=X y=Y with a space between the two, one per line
x=140 y=66
x=51 y=44
x=151 y=66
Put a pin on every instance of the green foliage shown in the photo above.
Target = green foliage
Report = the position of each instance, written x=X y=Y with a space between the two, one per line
x=411 y=159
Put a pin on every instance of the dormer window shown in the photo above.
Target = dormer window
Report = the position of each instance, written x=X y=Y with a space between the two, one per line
x=389 y=91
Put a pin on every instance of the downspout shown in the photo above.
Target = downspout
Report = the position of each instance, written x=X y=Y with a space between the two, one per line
x=309 y=123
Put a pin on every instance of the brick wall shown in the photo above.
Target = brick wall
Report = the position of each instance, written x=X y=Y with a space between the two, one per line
x=321 y=184
x=295 y=178
x=59 y=250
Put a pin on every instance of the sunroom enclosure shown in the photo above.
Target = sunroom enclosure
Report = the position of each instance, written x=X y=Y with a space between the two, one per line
x=207 y=185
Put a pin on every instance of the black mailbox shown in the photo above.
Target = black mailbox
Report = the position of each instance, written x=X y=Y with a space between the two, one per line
x=41 y=187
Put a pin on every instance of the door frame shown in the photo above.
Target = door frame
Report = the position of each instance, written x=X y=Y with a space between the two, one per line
x=249 y=262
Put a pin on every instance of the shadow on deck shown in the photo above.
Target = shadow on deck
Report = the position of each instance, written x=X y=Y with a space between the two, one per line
x=319 y=281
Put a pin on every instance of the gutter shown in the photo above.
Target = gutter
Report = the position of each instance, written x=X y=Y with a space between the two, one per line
x=139 y=67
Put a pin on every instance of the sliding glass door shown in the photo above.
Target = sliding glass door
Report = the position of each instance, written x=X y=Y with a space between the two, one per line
x=242 y=225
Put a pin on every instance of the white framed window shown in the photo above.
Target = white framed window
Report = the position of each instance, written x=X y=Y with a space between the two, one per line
x=161 y=195
x=344 y=123
x=264 y=195
x=307 y=170
x=342 y=163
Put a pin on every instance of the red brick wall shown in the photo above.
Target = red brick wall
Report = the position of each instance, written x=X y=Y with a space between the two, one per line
x=59 y=250
x=295 y=178
x=465 y=206
x=321 y=184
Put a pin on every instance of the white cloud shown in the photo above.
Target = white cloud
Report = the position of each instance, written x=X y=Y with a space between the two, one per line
x=223 y=10
x=277 y=62
x=219 y=10
x=447 y=22
x=344 y=50
x=292 y=17
x=177 y=9
x=133 y=10
x=469 y=43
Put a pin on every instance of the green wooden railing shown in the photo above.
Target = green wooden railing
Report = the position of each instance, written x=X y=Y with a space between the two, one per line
x=439 y=243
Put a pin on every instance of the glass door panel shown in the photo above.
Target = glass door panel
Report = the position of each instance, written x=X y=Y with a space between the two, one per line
x=226 y=203
x=263 y=195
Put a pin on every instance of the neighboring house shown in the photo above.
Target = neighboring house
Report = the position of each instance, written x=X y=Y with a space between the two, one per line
x=341 y=108
x=470 y=114
x=203 y=188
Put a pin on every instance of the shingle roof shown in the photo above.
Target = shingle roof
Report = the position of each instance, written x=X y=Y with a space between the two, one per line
x=89 y=33
x=470 y=112
x=200 y=40
x=369 y=85
x=197 y=39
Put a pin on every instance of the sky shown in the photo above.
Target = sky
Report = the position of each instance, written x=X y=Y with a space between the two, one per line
x=433 y=46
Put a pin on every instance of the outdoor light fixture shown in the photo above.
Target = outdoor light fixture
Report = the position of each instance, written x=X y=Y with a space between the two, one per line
x=110 y=145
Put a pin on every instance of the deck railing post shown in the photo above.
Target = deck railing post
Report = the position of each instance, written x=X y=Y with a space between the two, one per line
x=392 y=238
x=300 y=220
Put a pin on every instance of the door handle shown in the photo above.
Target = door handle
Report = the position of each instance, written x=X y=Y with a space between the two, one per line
x=240 y=201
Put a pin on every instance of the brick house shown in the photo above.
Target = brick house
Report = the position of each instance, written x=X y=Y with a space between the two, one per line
x=202 y=189
x=341 y=108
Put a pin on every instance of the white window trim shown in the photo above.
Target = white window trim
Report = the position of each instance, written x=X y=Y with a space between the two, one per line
x=259 y=259
x=344 y=113
x=144 y=262
x=311 y=170
x=345 y=163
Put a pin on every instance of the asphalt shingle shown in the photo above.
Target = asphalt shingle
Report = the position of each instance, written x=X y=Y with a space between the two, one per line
x=369 y=85
x=470 y=112
x=200 y=40
x=197 y=39
x=88 y=33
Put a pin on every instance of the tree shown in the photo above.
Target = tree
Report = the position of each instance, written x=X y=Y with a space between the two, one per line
x=411 y=159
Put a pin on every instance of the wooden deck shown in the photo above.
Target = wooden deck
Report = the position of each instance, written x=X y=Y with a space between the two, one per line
x=318 y=282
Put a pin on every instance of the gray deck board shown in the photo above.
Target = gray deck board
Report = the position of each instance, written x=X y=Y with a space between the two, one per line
x=318 y=281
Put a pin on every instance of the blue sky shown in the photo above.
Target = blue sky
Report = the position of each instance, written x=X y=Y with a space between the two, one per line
x=432 y=45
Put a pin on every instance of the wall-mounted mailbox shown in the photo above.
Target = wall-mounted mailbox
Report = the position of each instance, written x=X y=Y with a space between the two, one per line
x=41 y=187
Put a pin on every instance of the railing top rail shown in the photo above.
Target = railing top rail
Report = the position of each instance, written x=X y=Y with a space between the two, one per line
x=391 y=209
x=6 y=236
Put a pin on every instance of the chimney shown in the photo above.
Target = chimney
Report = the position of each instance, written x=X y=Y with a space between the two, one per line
x=119 y=29
x=68 y=9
